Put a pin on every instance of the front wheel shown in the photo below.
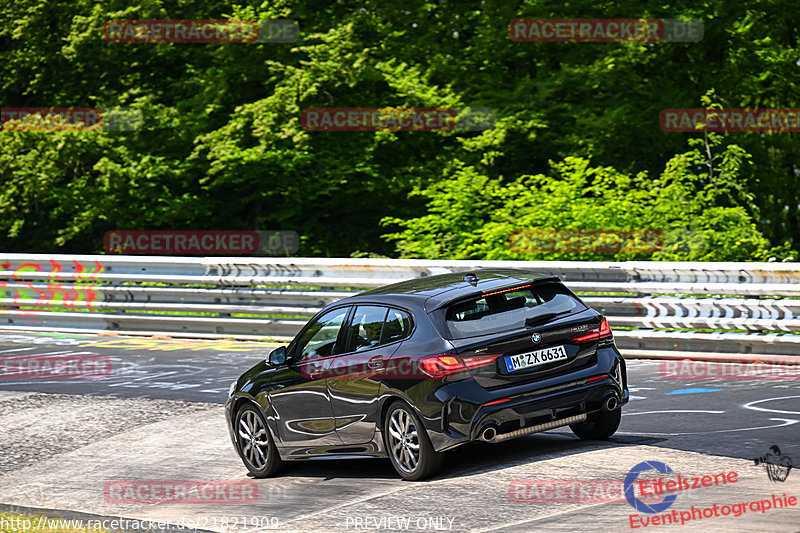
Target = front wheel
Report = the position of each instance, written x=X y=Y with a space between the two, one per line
x=599 y=425
x=408 y=444
x=256 y=447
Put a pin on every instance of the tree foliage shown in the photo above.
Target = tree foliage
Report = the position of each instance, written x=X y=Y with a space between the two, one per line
x=576 y=144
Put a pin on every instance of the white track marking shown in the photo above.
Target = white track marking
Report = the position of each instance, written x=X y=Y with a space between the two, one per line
x=750 y=405
x=786 y=422
x=673 y=411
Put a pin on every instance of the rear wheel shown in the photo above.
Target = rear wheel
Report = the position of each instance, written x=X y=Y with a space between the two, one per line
x=599 y=425
x=408 y=444
x=256 y=446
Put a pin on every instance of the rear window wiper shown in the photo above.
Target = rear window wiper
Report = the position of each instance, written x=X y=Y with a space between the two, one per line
x=538 y=319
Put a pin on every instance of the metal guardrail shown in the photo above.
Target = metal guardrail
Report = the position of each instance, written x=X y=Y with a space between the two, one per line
x=750 y=306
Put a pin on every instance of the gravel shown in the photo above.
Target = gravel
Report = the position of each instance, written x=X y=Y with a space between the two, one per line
x=36 y=426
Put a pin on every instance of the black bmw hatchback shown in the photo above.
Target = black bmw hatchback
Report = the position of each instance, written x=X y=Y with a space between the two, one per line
x=420 y=367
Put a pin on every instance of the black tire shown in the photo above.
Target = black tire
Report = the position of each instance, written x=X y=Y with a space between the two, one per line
x=409 y=449
x=254 y=442
x=598 y=426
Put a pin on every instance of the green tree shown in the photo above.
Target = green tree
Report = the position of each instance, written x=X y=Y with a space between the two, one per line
x=694 y=203
x=222 y=147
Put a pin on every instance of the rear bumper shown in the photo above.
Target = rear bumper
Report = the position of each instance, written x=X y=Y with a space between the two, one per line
x=465 y=412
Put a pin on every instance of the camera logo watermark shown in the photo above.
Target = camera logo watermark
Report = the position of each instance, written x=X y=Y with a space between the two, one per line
x=775 y=463
x=48 y=367
x=69 y=118
x=180 y=492
x=201 y=31
x=397 y=119
x=201 y=242
x=730 y=120
x=589 y=30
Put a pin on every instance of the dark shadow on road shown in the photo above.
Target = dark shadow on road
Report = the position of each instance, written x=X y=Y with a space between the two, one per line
x=472 y=458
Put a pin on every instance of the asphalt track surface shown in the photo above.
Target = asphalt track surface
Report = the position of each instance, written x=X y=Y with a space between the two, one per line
x=157 y=416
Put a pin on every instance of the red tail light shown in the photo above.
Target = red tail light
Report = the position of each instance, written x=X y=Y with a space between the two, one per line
x=504 y=400
x=603 y=331
x=477 y=361
x=445 y=364
x=441 y=365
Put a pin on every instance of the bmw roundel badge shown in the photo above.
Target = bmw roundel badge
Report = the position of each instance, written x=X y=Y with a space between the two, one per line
x=536 y=337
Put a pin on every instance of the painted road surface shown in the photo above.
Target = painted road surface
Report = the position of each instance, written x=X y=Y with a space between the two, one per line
x=156 y=418
x=190 y=370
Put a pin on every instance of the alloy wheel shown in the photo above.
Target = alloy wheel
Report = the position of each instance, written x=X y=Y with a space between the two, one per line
x=253 y=439
x=404 y=440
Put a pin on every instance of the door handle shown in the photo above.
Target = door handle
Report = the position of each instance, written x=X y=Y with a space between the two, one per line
x=376 y=363
x=316 y=371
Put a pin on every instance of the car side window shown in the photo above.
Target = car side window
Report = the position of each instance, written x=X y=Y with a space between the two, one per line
x=366 y=328
x=320 y=337
x=398 y=326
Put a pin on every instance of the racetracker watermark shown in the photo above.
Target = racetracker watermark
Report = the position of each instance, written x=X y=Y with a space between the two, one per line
x=694 y=370
x=730 y=120
x=69 y=118
x=601 y=241
x=551 y=30
x=397 y=119
x=201 y=31
x=144 y=525
x=609 y=490
x=49 y=367
x=566 y=491
x=347 y=368
x=180 y=492
x=201 y=242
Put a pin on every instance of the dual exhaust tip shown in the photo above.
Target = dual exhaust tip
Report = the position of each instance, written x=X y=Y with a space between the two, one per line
x=611 y=402
x=489 y=433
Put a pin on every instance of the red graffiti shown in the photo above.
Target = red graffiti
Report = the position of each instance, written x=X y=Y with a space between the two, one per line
x=55 y=293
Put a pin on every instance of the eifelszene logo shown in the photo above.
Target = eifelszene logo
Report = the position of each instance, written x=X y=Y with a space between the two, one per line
x=667 y=485
x=637 y=503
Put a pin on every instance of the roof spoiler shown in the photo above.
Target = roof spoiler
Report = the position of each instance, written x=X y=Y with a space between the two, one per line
x=475 y=294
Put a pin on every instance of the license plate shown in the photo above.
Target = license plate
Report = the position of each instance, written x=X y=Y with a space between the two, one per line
x=536 y=358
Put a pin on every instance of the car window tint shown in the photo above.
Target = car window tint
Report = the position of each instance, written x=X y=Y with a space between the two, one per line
x=365 y=328
x=509 y=310
x=398 y=326
x=320 y=337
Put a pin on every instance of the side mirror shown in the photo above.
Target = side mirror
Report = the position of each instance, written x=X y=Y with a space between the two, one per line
x=277 y=356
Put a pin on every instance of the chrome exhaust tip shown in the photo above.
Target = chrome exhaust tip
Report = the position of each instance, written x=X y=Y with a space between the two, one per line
x=488 y=434
x=611 y=403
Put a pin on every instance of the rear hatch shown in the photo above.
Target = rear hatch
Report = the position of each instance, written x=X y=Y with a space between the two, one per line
x=523 y=333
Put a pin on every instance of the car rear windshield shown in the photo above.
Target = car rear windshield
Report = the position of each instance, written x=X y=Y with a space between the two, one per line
x=510 y=310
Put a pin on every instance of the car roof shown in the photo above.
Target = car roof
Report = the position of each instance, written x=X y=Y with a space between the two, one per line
x=432 y=292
